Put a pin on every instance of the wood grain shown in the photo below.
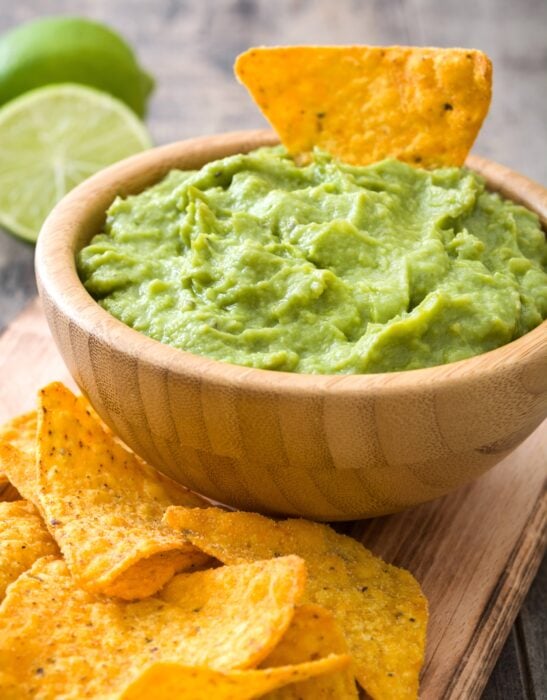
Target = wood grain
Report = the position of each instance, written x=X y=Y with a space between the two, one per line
x=326 y=447
x=474 y=551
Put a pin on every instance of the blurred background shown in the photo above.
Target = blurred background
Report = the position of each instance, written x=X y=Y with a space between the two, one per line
x=189 y=47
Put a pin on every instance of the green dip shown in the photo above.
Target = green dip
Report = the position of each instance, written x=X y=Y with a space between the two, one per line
x=327 y=268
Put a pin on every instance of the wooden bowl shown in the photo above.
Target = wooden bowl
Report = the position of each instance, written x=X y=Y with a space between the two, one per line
x=324 y=447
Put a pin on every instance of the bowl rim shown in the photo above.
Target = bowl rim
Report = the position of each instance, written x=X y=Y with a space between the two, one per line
x=59 y=284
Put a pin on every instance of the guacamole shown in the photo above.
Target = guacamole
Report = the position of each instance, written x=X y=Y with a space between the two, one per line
x=325 y=268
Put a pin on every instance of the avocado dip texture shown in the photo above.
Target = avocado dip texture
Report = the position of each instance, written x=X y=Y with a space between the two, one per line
x=326 y=268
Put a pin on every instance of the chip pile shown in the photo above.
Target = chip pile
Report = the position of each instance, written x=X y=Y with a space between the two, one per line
x=116 y=583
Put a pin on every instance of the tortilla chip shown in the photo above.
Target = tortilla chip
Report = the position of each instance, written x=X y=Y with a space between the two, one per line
x=313 y=634
x=20 y=468
x=177 y=493
x=103 y=505
x=18 y=434
x=310 y=662
x=362 y=104
x=380 y=608
x=61 y=641
x=23 y=539
x=107 y=525
x=21 y=432
x=166 y=681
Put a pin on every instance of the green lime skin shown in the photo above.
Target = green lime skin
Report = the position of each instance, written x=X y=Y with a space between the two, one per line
x=75 y=50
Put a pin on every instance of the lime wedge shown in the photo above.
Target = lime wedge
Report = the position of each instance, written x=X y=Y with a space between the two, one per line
x=51 y=139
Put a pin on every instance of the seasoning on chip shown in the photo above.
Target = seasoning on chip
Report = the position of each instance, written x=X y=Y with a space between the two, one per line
x=23 y=539
x=75 y=644
x=380 y=608
x=313 y=634
x=103 y=505
x=166 y=681
x=362 y=104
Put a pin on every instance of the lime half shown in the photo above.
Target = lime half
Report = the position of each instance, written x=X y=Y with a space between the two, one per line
x=52 y=139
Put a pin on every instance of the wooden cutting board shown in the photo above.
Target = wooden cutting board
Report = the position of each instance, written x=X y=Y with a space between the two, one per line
x=475 y=551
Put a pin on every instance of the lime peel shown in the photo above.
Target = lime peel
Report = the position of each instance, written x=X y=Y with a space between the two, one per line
x=66 y=49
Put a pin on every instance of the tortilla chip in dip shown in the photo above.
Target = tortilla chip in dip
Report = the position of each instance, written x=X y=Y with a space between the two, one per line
x=362 y=104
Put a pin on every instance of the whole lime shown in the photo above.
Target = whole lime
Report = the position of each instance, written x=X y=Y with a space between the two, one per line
x=75 y=50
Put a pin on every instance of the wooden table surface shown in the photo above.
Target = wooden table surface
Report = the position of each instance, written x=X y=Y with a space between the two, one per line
x=189 y=46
